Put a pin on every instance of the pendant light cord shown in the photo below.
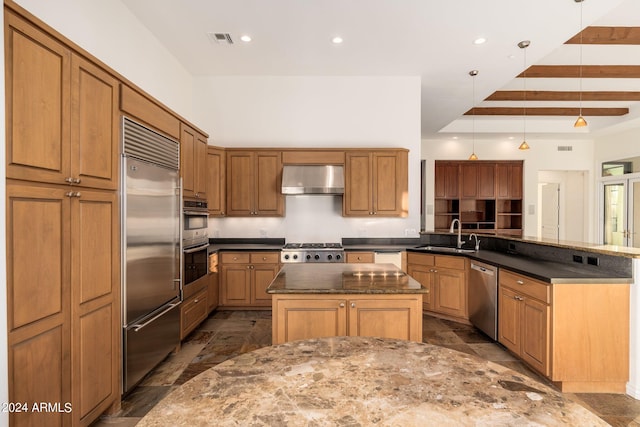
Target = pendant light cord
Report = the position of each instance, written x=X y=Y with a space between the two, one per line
x=580 y=80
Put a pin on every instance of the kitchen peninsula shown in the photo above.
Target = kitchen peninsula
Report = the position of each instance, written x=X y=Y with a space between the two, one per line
x=324 y=300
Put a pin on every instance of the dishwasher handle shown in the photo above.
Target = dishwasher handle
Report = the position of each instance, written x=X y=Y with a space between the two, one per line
x=483 y=270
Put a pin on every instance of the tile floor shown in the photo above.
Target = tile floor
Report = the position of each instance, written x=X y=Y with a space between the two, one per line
x=227 y=334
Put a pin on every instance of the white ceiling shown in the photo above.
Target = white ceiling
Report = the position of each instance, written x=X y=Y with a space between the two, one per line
x=429 y=38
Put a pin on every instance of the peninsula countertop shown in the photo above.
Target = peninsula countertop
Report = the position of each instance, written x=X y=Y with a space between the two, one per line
x=342 y=278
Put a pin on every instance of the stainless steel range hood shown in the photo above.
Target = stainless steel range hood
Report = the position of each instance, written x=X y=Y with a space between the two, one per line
x=313 y=179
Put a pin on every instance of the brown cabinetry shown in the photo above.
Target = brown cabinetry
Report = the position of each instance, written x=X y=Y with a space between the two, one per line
x=360 y=257
x=254 y=181
x=62 y=121
x=376 y=183
x=64 y=315
x=445 y=278
x=193 y=311
x=245 y=276
x=299 y=316
x=486 y=196
x=216 y=190
x=193 y=162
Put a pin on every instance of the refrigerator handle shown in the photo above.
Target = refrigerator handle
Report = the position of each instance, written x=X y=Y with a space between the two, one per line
x=136 y=328
x=180 y=230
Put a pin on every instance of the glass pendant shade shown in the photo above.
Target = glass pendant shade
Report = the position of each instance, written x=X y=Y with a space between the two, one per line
x=580 y=123
x=473 y=156
x=523 y=146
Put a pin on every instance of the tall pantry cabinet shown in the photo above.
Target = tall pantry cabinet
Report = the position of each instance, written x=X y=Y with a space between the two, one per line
x=63 y=268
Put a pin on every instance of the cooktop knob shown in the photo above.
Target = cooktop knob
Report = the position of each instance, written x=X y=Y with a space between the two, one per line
x=286 y=257
x=317 y=256
x=295 y=257
x=338 y=256
x=308 y=256
x=329 y=256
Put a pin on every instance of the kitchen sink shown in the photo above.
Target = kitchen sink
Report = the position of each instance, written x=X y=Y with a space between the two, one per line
x=448 y=249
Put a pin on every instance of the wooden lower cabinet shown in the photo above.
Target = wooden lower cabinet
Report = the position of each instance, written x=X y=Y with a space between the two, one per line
x=298 y=316
x=63 y=316
x=577 y=335
x=193 y=311
x=360 y=257
x=245 y=276
x=446 y=279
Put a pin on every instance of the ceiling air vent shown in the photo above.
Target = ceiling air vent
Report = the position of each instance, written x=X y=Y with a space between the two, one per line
x=565 y=148
x=221 y=38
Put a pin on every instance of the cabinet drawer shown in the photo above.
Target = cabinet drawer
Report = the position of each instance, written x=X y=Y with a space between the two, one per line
x=235 y=257
x=525 y=285
x=192 y=312
x=420 y=259
x=454 y=262
x=357 y=257
x=265 y=258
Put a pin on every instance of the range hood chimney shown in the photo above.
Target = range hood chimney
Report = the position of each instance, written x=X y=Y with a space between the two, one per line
x=313 y=179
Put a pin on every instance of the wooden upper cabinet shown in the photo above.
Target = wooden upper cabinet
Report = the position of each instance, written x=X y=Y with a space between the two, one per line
x=509 y=180
x=478 y=180
x=216 y=181
x=446 y=180
x=149 y=112
x=62 y=112
x=254 y=180
x=376 y=183
x=193 y=158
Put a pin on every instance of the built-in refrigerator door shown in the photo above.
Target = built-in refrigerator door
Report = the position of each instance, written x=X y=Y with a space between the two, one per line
x=148 y=342
x=152 y=238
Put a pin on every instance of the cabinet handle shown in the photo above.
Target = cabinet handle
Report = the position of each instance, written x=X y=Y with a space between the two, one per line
x=518 y=298
x=69 y=180
x=353 y=305
x=264 y=258
x=221 y=212
x=519 y=282
x=341 y=305
x=76 y=181
x=427 y=291
x=195 y=301
x=72 y=194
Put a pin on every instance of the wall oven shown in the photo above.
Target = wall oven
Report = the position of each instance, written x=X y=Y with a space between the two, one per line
x=195 y=240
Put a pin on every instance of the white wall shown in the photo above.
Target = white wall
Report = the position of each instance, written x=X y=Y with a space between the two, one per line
x=271 y=111
x=109 y=31
x=573 y=187
x=543 y=155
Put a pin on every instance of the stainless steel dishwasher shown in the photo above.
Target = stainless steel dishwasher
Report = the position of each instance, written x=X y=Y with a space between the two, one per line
x=483 y=298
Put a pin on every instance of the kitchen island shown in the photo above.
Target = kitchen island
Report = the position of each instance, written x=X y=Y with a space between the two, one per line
x=360 y=381
x=324 y=300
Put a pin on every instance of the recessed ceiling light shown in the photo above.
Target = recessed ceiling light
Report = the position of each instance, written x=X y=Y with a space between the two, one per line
x=479 y=40
x=245 y=38
x=337 y=40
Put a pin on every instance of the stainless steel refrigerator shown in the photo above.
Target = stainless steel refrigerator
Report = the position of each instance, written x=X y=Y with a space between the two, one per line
x=151 y=250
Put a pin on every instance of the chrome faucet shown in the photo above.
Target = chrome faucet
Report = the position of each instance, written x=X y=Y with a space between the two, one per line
x=453 y=223
x=475 y=236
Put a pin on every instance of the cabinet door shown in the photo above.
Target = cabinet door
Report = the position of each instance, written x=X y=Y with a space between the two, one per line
x=216 y=181
x=193 y=312
x=358 y=197
x=95 y=125
x=38 y=300
x=267 y=193
x=213 y=295
x=235 y=287
x=424 y=275
x=450 y=292
x=486 y=180
x=509 y=320
x=386 y=318
x=390 y=184
x=469 y=174
x=446 y=180
x=38 y=104
x=298 y=319
x=360 y=257
x=239 y=183
x=200 y=161
x=187 y=156
x=509 y=180
x=95 y=283
x=263 y=275
x=535 y=334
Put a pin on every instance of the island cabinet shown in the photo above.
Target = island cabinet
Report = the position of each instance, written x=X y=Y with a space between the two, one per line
x=575 y=334
x=193 y=162
x=216 y=180
x=360 y=257
x=297 y=317
x=254 y=181
x=245 y=276
x=376 y=183
x=445 y=278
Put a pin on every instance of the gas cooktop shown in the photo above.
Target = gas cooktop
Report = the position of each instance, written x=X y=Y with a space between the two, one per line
x=312 y=252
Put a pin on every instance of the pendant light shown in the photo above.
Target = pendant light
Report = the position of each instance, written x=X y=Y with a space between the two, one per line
x=473 y=74
x=580 y=122
x=524 y=44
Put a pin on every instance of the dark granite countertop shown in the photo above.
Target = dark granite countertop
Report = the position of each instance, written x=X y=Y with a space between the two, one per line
x=341 y=278
x=246 y=244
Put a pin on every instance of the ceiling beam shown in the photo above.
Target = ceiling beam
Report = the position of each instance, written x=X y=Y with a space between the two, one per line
x=607 y=35
x=548 y=95
x=588 y=71
x=545 y=111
